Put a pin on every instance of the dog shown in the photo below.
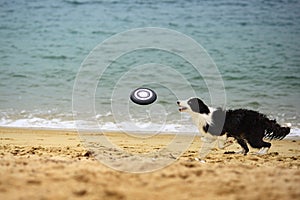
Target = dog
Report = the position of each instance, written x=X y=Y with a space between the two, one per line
x=245 y=126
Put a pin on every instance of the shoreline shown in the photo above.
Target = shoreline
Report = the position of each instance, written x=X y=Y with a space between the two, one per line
x=288 y=137
x=51 y=164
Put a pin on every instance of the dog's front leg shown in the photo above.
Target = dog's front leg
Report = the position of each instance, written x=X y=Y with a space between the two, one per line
x=224 y=141
x=208 y=142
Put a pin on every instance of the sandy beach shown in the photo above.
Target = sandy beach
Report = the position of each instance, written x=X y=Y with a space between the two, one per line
x=53 y=164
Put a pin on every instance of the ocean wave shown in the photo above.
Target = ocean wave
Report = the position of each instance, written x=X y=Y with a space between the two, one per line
x=259 y=67
x=141 y=127
x=88 y=125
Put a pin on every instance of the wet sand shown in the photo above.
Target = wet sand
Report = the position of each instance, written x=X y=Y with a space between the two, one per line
x=54 y=164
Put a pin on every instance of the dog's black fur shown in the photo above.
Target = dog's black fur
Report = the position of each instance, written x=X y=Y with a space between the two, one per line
x=246 y=126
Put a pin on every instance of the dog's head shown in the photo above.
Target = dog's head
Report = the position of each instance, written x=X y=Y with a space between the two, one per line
x=193 y=105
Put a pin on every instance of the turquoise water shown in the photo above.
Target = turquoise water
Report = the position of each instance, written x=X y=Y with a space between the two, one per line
x=255 y=45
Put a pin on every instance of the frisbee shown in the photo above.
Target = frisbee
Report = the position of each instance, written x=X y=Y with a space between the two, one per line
x=143 y=96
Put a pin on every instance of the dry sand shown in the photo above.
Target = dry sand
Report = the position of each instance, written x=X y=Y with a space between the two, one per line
x=43 y=164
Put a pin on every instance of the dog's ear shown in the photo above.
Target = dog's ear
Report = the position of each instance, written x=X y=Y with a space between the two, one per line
x=198 y=106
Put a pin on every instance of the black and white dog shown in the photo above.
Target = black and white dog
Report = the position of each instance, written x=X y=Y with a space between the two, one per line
x=246 y=126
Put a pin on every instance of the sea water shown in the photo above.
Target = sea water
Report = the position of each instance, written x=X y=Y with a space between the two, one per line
x=254 y=44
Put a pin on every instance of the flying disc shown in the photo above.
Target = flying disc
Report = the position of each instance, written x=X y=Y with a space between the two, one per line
x=143 y=96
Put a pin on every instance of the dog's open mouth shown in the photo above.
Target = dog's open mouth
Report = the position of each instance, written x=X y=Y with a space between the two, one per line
x=182 y=109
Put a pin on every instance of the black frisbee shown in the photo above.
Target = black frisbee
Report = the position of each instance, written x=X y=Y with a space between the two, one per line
x=143 y=96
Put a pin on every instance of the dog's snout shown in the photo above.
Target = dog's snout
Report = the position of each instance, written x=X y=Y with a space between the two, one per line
x=178 y=102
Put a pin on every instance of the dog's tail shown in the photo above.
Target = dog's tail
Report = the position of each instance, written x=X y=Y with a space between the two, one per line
x=275 y=131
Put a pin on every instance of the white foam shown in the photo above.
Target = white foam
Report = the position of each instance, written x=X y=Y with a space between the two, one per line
x=142 y=127
x=109 y=126
x=38 y=123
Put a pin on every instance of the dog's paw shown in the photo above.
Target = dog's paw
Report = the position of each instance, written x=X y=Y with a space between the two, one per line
x=243 y=152
x=263 y=151
x=200 y=160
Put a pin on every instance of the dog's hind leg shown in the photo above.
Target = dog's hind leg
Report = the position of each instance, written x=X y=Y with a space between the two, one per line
x=265 y=148
x=259 y=143
x=243 y=144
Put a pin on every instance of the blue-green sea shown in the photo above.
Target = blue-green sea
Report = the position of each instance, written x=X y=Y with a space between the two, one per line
x=255 y=46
